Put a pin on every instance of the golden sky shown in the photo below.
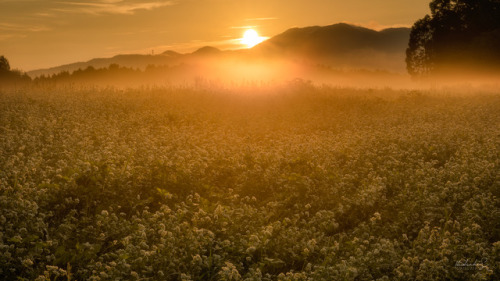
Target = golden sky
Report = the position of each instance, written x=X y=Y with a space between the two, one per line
x=44 y=33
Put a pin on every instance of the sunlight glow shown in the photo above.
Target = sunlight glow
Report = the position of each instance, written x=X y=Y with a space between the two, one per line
x=251 y=38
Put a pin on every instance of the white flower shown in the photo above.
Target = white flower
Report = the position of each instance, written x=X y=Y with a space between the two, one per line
x=27 y=262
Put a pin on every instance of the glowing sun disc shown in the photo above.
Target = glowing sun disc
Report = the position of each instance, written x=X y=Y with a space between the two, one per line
x=251 y=38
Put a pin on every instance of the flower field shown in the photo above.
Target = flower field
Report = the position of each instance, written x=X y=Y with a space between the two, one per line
x=295 y=182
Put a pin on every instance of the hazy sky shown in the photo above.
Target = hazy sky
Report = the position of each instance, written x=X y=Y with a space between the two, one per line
x=45 y=33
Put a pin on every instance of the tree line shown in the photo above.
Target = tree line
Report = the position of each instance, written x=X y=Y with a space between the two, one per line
x=113 y=74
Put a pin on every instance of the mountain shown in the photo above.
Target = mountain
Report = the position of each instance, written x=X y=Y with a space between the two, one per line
x=207 y=51
x=336 y=39
x=339 y=46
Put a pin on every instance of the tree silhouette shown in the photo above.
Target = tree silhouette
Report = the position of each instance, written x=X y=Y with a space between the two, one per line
x=9 y=76
x=4 y=64
x=457 y=34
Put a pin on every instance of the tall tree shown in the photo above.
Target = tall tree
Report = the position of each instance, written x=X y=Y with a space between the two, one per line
x=9 y=76
x=457 y=33
x=4 y=64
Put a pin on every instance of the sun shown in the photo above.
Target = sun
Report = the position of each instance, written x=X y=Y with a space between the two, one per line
x=251 y=38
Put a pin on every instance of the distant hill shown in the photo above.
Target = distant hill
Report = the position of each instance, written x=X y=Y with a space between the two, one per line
x=339 y=45
x=207 y=50
x=132 y=60
x=335 y=39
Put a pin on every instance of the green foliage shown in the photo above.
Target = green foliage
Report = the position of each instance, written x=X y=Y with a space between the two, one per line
x=459 y=34
x=301 y=183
